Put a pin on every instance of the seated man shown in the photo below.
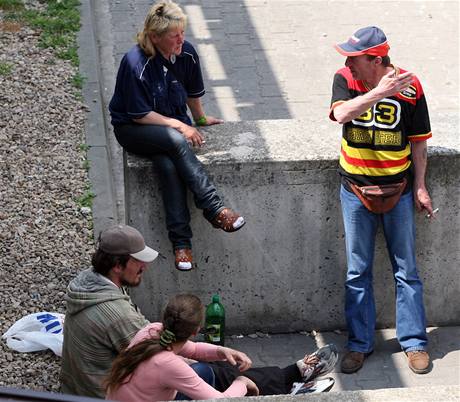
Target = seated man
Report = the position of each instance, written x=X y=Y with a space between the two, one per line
x=101 y=319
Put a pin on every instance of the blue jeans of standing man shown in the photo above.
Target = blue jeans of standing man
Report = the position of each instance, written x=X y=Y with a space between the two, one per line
x=178 y=169
x=399 y=230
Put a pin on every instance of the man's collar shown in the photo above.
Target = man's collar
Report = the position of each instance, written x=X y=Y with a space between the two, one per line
x=104 y=278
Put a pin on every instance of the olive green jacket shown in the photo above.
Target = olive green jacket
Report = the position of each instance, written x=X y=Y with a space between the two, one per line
x=100 y=321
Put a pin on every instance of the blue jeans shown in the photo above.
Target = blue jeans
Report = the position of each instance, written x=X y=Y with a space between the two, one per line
x=205 y=372
x=399 y=230
x=178 y=169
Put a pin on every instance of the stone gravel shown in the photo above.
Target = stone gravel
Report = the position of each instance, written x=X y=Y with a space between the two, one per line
x=45 y=237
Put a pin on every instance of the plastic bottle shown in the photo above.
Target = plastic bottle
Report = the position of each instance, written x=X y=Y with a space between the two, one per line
x=215 y=322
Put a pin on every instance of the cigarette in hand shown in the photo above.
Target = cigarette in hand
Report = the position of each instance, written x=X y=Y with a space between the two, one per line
x=435 y=211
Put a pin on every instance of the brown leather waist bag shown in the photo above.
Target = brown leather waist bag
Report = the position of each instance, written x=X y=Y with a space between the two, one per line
x=379 y=199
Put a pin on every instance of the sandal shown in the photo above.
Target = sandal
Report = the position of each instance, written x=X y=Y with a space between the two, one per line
x=228 y=220
x=184 y=259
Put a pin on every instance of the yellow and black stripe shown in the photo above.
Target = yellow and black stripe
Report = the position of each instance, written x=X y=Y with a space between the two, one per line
x=375 y=146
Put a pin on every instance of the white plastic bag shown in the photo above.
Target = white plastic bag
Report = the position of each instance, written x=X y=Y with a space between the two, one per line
x=38 y=331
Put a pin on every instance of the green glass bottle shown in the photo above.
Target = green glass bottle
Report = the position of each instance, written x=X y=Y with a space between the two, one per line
x=215 y=322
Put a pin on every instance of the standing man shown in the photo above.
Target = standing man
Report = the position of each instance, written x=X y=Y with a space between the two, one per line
x=385 y=127
x=101 y=319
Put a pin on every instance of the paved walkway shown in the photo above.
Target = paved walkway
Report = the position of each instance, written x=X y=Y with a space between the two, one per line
x=385 y=368
x=267 y=59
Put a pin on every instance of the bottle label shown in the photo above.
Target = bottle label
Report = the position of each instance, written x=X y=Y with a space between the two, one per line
x=213 y=332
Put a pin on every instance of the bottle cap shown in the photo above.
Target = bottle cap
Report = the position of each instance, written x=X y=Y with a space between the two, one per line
x=215 y=299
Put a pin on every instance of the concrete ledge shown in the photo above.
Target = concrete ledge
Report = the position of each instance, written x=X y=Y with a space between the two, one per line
x=415 y=394
x=285 y=270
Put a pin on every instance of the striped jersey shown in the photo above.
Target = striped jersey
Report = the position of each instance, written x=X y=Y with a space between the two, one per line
x=376 y=145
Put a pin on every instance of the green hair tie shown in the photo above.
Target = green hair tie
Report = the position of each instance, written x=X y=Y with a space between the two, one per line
x=166 y=338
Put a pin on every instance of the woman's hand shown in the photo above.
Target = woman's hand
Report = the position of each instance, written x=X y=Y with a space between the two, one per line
x=199 y=115
x=251 y=386
x=191 y=134
x=234 y=357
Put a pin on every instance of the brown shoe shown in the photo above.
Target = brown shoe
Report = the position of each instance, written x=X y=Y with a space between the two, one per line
x=419 y=361
x=228 y=220
x=184 y=259
x=352 y=362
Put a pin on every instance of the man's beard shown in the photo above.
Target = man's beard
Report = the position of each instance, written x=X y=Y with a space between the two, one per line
x=125 y=283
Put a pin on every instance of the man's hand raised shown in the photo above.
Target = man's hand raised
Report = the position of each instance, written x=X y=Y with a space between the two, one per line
x=391 y=84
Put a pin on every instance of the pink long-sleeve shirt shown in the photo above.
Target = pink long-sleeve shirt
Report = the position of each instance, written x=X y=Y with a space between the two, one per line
x=165 y=373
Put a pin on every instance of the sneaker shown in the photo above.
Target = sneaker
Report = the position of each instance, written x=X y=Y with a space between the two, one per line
x=312 y=387
x=183 y=259
x=318 y=363
x=228 y=220
x=419 y=361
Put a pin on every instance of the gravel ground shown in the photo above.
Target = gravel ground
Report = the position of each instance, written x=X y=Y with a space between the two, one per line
x=45 y=237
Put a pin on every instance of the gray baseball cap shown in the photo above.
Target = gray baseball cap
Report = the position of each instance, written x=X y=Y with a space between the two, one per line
x=123 y=240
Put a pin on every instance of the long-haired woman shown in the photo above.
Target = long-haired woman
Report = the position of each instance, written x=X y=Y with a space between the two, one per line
x=152 y=368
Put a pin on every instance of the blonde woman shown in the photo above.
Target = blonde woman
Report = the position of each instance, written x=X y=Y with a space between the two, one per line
x=158 y=81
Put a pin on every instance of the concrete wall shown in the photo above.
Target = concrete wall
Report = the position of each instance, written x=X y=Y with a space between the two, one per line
x=284 y=271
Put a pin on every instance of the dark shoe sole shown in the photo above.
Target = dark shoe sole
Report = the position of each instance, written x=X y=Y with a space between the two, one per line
x=351 y=370
x=423 y=371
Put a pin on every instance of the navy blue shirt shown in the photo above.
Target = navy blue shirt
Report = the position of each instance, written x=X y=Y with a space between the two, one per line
x=146 y=84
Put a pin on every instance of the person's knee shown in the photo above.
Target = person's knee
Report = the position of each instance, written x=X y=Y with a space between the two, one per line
x=176 y=139
x=205 y=372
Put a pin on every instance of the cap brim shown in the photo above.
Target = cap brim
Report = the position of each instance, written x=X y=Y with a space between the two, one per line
x=345 y=50
x=146 y=255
